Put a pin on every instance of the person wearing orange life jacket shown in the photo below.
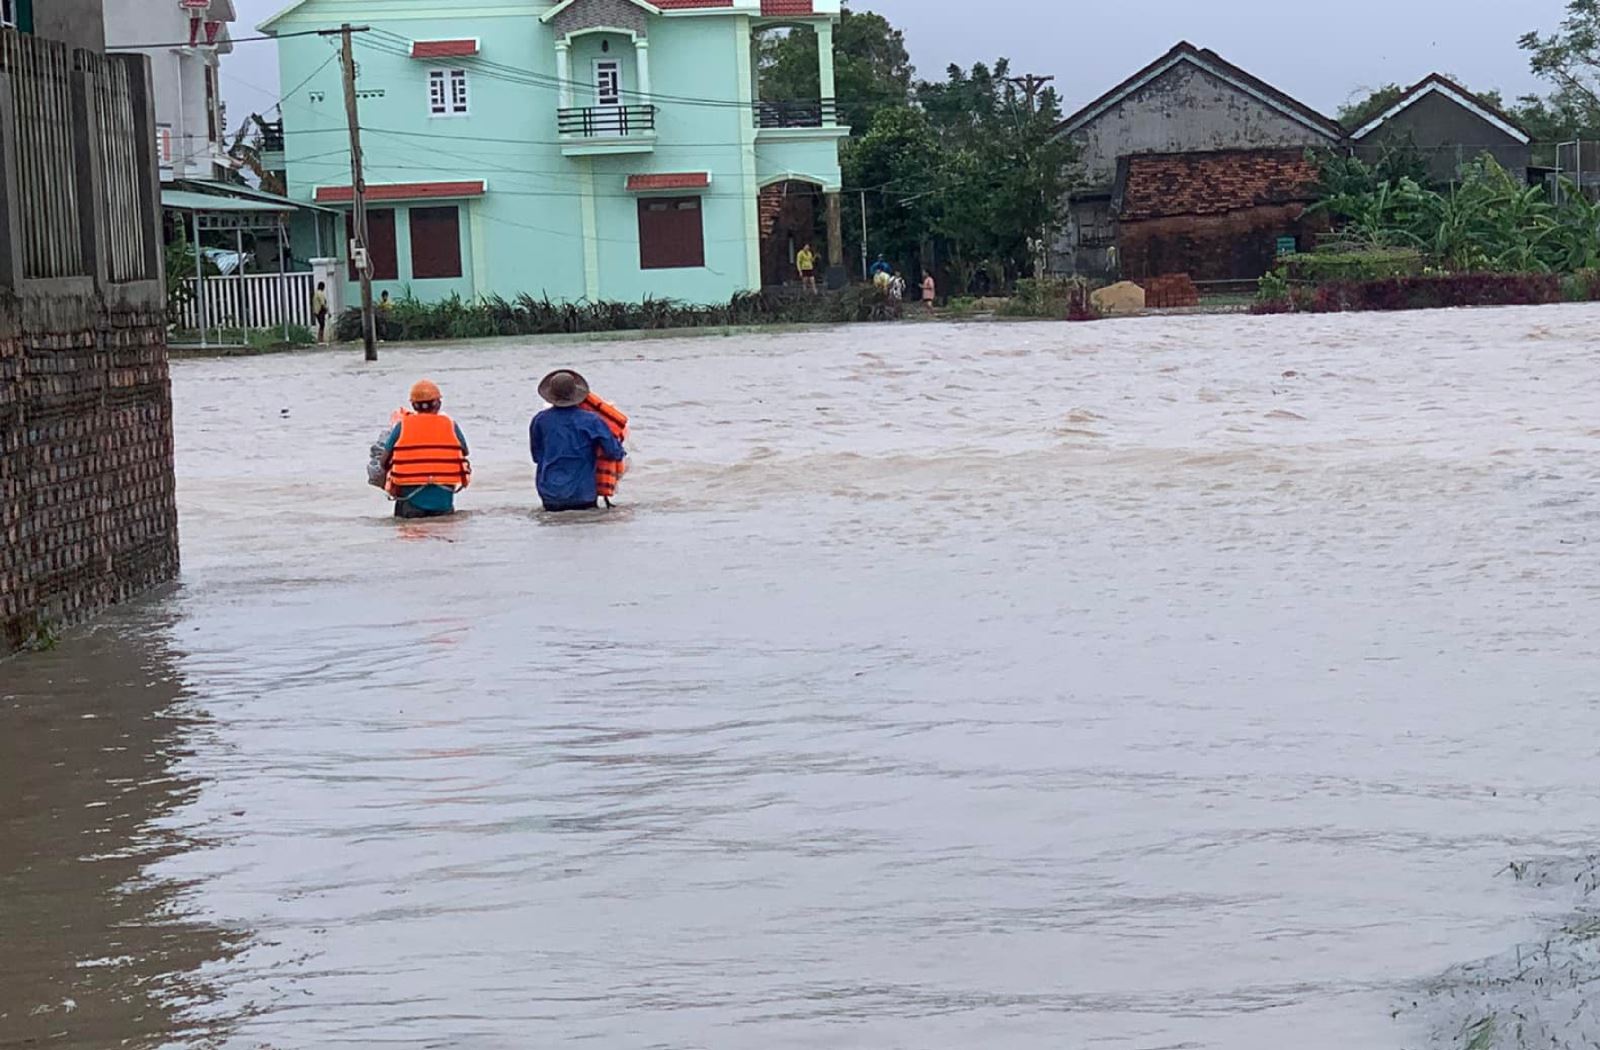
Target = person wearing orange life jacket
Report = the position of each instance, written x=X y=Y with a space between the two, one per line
x=426 y=458
x=608 y=472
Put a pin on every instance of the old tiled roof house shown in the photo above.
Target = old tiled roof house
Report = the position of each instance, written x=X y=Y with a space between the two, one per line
x=1188 y=101
x=1216 y=216
x=1450 y=125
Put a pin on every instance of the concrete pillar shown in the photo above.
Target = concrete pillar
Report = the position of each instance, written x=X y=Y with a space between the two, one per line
x=836 y=275
x=825 y=70
x=141 y=93
x=564 y=74
x=326 y=271
x=88 y=165
x=641 y=56
x=10 y=195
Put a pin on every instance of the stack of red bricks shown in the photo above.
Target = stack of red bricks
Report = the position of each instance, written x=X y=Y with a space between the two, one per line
x=1170 y=292
x=87 y=509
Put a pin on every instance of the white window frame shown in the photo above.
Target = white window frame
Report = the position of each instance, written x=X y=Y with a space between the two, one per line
x=8 y=13
x=448 y=93
x=614 y=64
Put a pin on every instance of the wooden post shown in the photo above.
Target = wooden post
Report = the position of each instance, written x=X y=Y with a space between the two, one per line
x=836 y=274
x=358 y=188
x=283 y=282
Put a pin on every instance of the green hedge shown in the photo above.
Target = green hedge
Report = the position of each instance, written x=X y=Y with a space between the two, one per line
x=1319 y=267
x=411 y=320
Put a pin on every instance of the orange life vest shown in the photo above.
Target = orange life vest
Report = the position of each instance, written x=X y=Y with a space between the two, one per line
x=608 y=472
x=428 y=453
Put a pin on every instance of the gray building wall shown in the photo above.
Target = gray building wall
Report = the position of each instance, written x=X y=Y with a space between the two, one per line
x=178 y=77
x=1185 y=110
x=1449 y=135
x=76 y=23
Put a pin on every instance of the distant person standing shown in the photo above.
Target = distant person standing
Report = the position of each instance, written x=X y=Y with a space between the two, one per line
x=881 y=273
x=385 y=313
x=319 y=310
x=567 y=442
x=805 y=260
x=427 y=457
x=930 y=291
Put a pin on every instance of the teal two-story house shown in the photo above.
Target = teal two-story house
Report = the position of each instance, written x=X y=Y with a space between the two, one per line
x=599 y=149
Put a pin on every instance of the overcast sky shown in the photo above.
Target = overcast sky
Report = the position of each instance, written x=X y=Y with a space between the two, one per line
x=1319 y=56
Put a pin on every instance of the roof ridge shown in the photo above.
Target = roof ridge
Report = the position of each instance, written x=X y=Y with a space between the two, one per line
x=1185 y=49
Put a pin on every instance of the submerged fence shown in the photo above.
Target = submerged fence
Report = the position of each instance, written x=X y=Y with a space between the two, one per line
x=263 y=300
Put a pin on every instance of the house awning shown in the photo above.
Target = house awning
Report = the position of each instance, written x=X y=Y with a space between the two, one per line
x=184 y=200
x=404 y=191
x=462 y=48
x=676 y=180
x=216 y=189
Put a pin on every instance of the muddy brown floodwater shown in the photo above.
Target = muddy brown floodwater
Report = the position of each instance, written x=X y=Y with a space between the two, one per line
x=1173 y=682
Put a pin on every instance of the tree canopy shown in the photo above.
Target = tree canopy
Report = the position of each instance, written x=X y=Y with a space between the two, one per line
x=966 y=167
x=872 y=68
x=1367 y=103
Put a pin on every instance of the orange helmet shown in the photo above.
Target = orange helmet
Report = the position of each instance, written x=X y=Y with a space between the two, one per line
x=423 y=391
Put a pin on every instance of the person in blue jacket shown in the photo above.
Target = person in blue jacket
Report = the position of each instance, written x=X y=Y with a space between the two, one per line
x=565 y=440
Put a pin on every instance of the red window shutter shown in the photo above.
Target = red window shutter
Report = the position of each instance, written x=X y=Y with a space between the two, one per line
x=380 y=244
x=436 y=242
x=671 y=233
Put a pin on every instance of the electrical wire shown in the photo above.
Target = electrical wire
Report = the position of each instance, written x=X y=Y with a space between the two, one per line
x=231 y=40
x=397 y=46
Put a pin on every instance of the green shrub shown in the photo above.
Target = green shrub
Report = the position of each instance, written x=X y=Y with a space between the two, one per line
x=1050 y=297
x=1375 y=265
x=1581 y=287
x=1273 y=287
x=410 y=320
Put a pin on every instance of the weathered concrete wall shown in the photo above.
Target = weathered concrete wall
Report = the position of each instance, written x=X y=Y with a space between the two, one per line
x=76 y=23
x=1448 y=136
x=1186 y=109
x=87 y=509
x=1238 y=246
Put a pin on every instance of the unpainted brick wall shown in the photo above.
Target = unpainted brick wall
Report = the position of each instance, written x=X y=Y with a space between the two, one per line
x=87 y=508
x=1239 y=246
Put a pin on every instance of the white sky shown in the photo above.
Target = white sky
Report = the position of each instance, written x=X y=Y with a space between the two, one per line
x=1320 y=57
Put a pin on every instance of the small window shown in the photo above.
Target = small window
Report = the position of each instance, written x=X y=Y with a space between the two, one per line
x=8 y=12
x=437 y=104
x=435 y=242
x=671 y=233
x=447 y=92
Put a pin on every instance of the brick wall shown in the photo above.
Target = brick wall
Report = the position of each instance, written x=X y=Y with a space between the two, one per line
x=1240 y=245
x=87 y=510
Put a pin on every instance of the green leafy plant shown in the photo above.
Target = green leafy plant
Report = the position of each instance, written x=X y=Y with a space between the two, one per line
x=1273 y=287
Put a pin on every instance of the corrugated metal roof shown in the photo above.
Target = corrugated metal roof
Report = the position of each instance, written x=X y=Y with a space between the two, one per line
x=184 y=200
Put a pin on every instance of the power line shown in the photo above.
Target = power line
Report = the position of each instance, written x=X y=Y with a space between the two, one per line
x=397 y=46
x=213 y=47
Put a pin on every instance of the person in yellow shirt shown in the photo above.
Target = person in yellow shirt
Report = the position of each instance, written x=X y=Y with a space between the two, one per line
x=319 y=310
x=805 y=260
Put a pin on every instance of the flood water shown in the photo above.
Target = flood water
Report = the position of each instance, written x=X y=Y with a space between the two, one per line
x=1148 y=684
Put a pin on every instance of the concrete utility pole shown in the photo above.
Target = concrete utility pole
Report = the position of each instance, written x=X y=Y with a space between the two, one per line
x=358 y=188
x=1031 y=84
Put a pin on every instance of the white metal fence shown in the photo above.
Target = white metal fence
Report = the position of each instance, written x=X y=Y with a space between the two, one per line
x=257 y=300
